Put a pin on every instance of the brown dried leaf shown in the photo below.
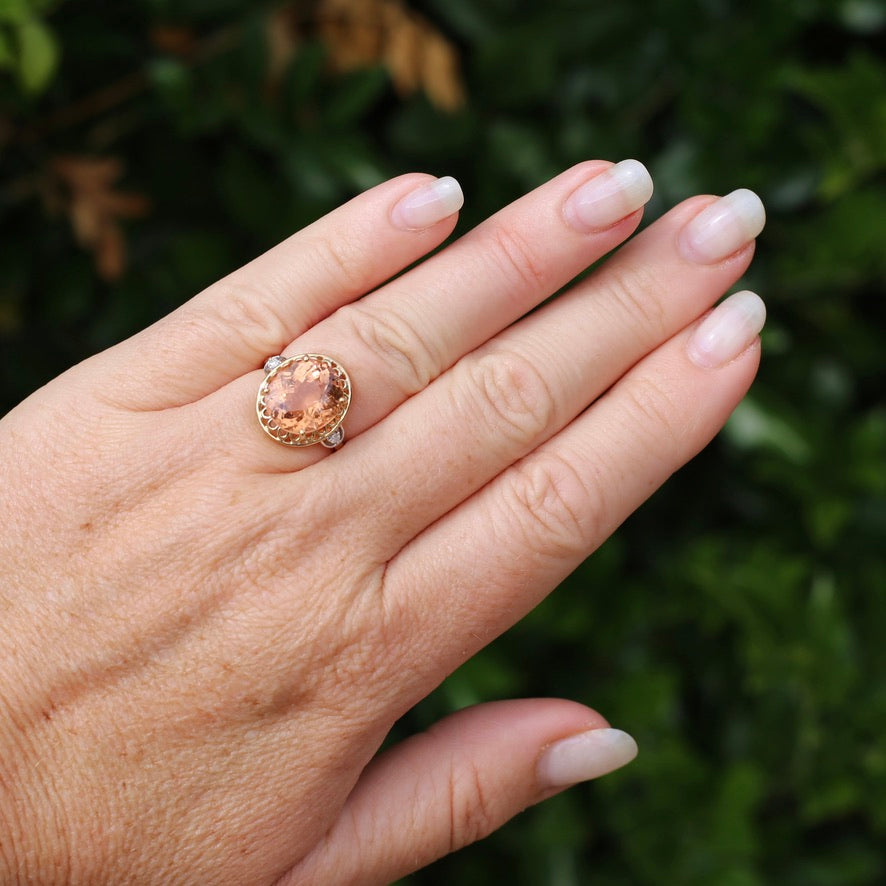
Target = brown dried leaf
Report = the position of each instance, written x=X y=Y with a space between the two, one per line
x=281 y=32
x=173 y=39
x=440 y=74
x=402 y=51
x=86 y=221
x=110 y=252
x=83 y=174
x=352 y=30
x=360 y=33
x=95 y=208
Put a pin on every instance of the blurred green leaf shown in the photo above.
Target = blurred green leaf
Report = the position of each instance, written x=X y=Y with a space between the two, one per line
x=354 y=97
x=7 y=51
x=38 y=55
x=752 y=425
x=853 y=97
x=864 y=16
x=16 y=11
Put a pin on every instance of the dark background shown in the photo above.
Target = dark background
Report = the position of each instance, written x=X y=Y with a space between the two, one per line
x=735 y=625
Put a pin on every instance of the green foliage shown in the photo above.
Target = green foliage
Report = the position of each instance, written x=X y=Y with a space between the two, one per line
x=735 y=624
x=27 y=46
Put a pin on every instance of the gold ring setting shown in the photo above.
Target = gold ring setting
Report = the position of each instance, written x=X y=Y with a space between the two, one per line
x=303 y=400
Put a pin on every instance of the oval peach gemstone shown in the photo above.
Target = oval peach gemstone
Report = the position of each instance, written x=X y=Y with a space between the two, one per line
x=305 y=400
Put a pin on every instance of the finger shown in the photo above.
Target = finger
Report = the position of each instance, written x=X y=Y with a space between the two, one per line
x=527 y=530
x=235 y=324
x=458 y=782
x=500 y=402
x=397 y=340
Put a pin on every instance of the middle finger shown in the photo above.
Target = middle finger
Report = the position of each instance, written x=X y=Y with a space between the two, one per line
x=395 y=341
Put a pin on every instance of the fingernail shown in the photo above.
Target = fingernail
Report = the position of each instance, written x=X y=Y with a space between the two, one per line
x=609 y=197
x=585 y=756
x=728 y=330
x=427 y=205
x=723 y=227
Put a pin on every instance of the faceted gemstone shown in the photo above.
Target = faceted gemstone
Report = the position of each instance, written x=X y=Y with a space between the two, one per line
x=304 y=399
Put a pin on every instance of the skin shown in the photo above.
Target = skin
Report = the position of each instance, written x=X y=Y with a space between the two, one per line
x=206 y=635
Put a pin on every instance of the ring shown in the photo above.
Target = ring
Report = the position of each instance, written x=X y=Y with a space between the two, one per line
x=303 y=400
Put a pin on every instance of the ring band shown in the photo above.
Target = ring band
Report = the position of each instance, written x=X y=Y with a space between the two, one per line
x=303 y=400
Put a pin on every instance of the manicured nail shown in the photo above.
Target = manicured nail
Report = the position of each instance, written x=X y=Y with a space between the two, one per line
x=723 y=227
x=728 y=330
x=427 y=205
x=585 y=756
x=609 y=197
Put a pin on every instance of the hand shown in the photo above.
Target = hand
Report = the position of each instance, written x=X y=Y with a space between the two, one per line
x=206 y=635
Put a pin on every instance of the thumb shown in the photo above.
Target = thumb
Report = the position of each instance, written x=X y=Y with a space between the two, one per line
x=456 y=783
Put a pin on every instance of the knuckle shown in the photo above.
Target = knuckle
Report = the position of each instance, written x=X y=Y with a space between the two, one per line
x=471 y=816
x=246 y=312
x=558 y=513
x=340 y=258
x=391 y=339
x=365 y=647
x=655 y=414
x=636 y=293
x=515 y=400
x=517 y=257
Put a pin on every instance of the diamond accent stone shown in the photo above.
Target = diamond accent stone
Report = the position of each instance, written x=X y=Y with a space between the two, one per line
x=304 y=399
x=272 y=363
x=335 y=439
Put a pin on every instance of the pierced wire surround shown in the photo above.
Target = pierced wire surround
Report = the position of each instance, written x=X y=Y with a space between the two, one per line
x=303 y=400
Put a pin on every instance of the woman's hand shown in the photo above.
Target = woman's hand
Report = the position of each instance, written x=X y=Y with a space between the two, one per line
x=206 y=635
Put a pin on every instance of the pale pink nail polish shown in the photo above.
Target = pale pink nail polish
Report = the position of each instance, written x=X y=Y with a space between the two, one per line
x=727 y=331
x=428 y=204
x=723 y=227
x=585 y=756
x=609 y=197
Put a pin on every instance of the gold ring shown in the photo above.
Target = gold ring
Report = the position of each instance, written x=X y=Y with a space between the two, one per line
x=303 y=400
